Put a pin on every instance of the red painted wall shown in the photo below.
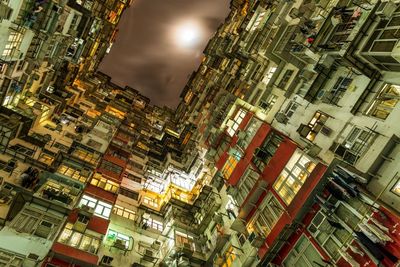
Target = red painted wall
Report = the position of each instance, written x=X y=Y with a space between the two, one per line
x=100 y=193
x=97 y=224
x=75 y=253
x=294 y=207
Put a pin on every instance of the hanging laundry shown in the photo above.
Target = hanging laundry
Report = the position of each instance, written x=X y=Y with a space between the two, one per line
x=376 y=250
x=338 y=191
x=378 y=232
x=351 y=189
x=379 y=225
x=370 y=235
x=348 y=258
x=356 y=250
x=337 y=225
x=325 y=204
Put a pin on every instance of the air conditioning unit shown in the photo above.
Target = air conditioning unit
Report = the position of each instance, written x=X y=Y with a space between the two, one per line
x=183 y=261
x=313 y=150
x=326 y=131
x=281 y=117
x=120 y=244
x=87 y=209
x=81 y=223
x=44 y=229
x=304 y=130
x=386 y=9
x=156 y=245
x=106 y=261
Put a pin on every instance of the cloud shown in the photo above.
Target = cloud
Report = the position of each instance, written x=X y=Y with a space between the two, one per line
x=145 y=58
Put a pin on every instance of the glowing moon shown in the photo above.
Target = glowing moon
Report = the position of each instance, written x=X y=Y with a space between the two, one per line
x=187 y=34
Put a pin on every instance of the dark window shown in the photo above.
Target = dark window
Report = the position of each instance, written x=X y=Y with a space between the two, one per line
x=128 y=193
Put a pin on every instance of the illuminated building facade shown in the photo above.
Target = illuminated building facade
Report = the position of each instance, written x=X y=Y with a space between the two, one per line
x=284 y=149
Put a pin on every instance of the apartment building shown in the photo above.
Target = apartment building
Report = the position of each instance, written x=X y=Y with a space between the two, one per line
x=282 y=152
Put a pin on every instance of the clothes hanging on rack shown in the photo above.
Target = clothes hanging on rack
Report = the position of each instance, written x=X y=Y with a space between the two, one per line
x=351 y=189
x=348 y=258
x=379 y=225
x=356 y=250
x=378 y=251
x=378 y=232
x=329 y=207
x=369 y=234
x=337 y=191
x=335 y=224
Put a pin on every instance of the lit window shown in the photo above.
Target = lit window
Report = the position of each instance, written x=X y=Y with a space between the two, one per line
x=268 y=216
x=231 y=163
x=154 y=224
x=230 y=257
x=384 y=102
x=102 y=182
x=267 y=78
x=396 y=188
x=311 y=130
x=81 y=241
x=233 y=125
x=293 y=176
x=124 y=212
x=102 y=209
x=246 y=184
x=116 y=238
x=303 y=254
x=151 y=202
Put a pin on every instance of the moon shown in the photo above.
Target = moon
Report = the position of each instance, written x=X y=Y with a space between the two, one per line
x=187 y=34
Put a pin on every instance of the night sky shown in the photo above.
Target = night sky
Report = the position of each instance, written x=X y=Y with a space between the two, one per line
x=149 y=54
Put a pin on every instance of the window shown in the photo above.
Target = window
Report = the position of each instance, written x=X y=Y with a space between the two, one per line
x=384 y=102
x=81 y=241
x=336 y=93
x=250 y=132
x=132 y=177
x=396 y=188
x=181 y=239
x=10 y=259
x=290 y=109
x=355 y=144
x=231 y=163
x=258 y=18
x=150 y=201
x=266 y=151
x=13 y=43
x=72 y=172
x=233 y=125
x=124 y=212
x=86 y=155
x=102 y=209
x=267 y=105
x=293 y=176
x=102 y=182
x=33 y=221
x=129 y=193
x=267 y=78
x=229 y=257
x=303 y=254
x=311 y=130
x=268 y=215
x=154 y=224
x=285 y=78
x=246 y=184
x=117 y=239
x=109 y=166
